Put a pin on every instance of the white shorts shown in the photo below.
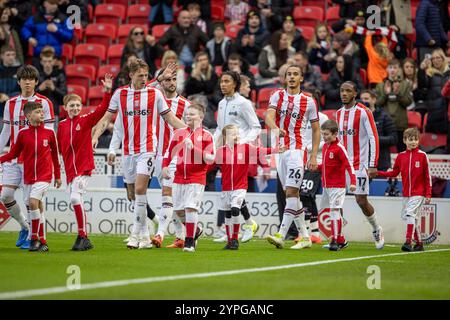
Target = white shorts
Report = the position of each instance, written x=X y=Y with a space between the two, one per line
x=36 y=191
x=12 y=174
x=187 y=196
x=290 y=168
x=411 y=206
x=232 y=199
x=142 y=163
x=158 y=172
x=332 y=198
x=78 y=185
x=362 y=182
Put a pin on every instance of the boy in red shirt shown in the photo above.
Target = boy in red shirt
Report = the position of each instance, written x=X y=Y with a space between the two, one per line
x=40 y=154
x=193 y=148
x=335 y=163
x=234 y=159
x=74 y=141
x=413 y=166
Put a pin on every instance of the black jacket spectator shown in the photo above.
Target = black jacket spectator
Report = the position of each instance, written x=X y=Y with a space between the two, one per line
x=348 y=9
x=240 y=66
x=387 y=137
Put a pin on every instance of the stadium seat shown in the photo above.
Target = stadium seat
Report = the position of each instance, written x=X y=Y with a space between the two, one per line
x=308 y=15
x=413 y=13
x=113 y=69
x=124 y=31
x=90 y=12
x=254 y=70
x=232 y=30
x=89 y=53
x=363 y=75
x=415 y=120
x=264 y=97
x=122 y=2
x=101 y=33
x=115 y=53
x=79 y=90
x=217 y=12
x=138 y=13
x=314 y=3
x=109 y=13
x=307 y=32
x=331 y=114
x=95 y=95
x=67 y=52
x=80 y=74
x=261 y=113
x=159 y=30
x=332 y=15
x=430 y=140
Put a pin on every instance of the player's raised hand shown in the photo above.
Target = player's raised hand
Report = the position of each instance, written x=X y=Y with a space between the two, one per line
x=352 y=188
x=111 y=158
x=170 y=70
x=58 y=183
x=108 y=82
x=165 y=173
x=94 y=142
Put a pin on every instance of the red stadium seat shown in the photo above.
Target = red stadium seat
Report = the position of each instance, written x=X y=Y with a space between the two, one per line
x=414 y=119
x=314 y=3
x=261 y=113
x=413 y=12
x=101 y=33
x=308 y=15
x=254 y=70
x=232 y=30
x=109 y=13
x=122 y=2
x=217 y=12
x=138 y=13
x=115 y=53
x=433 y=140
x=90 y=12
x=67 y=52
x=89 y=53
x=125 y=29
x=332 y=15
x=113 y=69
x=95 y=95
x=307 y=32
x=80 y=74
x=363 y=75
x=264 y=97
x=79 y=90
x=159 y=30
x=331 y=114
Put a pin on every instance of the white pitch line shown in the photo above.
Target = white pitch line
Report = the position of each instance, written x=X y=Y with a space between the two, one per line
x=120 y=283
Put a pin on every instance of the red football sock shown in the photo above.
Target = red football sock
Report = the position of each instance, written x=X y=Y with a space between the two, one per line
x=35 y=229
x=42 y=234
x=417 y=235
x=227 y=229
x=190 y=229
x=334 y=229
x=81 y=220
x=409 y=232
x=236 y=228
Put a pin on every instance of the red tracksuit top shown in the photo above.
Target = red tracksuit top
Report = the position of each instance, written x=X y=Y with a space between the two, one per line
x=414 y=169
x=75 y=142
x=191 y=164
x=39 y=149
x=234 y=163
x=334 y=164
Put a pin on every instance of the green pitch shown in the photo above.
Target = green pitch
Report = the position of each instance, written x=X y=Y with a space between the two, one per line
x=404 y=276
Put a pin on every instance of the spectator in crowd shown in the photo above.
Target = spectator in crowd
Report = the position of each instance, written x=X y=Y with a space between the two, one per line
x=239 y=65
x=171 y=57
x=205 y=6
x=8 y=35
x=430 y=33
x=143 y=46
x=340 y=45
x=295 y=38
x=252 y=38
x=20 y=12
x=52 y=80
x=195 y=11
x=203 y=80
x=409 y=68
x=348 y=8
x=270 y=20
x=123 y=78
x=245 y=88
x=162 y=12
x=433 y=75
x=9 y=86
x=184 y=38
x=82 y=4
x=236 y=11
x=446 y=93
x=47 y=27
x=319 y=47
x=220 y=46
x=387 y=132
x=271 y=58
x=395 y=95
x=342 y=72
x=378 y=59
x=312 y=79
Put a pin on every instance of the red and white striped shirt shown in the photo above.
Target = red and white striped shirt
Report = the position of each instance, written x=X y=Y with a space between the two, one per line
x=292 y=115
x=164 y=131
x=358 y=133
x=139 y=112
x=15 y=118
